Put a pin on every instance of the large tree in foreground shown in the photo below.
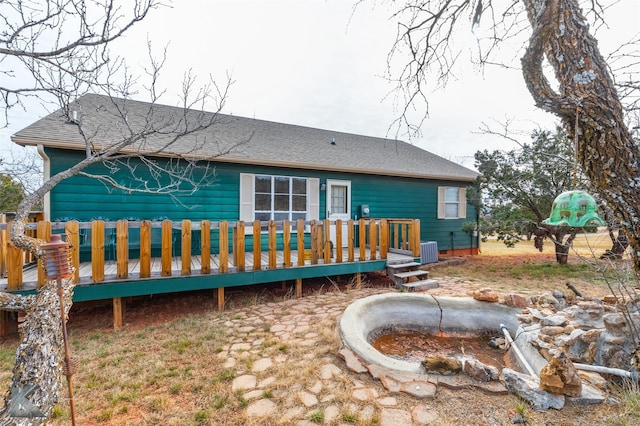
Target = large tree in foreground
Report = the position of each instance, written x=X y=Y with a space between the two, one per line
x=54 y=51
x=585 y=90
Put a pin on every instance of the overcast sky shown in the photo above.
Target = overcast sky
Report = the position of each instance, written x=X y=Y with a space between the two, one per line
x=321 y=64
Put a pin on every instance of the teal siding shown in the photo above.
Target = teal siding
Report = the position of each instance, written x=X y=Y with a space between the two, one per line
x=388 y=197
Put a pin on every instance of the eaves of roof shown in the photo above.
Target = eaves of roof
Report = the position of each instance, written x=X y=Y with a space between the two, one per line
x=240 y=140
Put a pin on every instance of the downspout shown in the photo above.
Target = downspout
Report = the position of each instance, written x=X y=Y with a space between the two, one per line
x=46 y=175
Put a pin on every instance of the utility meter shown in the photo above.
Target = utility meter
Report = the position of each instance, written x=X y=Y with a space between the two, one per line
x=364 y=210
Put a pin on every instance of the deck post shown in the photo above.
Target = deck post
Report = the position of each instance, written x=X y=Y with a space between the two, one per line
x=238 y=247
x=221 y=299
x=338 y=245
x=300 y=242
x=358 y=280
x=117 y=313
x=315 y=241
x=205 y=247
x=97 y=251
x=326 y=247
x=286 y=242
x=351 y=240
x=224 y=247
x=384 y=238
x=298 y=287
x=145 y=249
x=416 y=238
x=43 y=232
x=257 y=245
x=167 y=249
x=185 y=249
x=362 y=240
x=373 y=239
x=273 y=260
x=122 y=248
x=72 y=229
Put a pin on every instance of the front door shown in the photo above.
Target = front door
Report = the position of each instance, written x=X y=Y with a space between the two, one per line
x=339 y=206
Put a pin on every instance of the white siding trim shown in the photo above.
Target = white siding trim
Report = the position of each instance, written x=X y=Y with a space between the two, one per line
x=246 y=197
x=462 y=207
x=441 y=212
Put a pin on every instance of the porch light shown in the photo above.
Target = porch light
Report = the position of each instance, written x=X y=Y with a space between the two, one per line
x=57 y=267
x=323 y=187
x=576 y=209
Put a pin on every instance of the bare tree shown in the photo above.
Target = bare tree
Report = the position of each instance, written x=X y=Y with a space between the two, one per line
x=585 y=92
x=55 y=51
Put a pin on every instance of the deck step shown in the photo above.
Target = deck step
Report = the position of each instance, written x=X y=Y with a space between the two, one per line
x=410 y=274
x=420 y=285
x=403 y=265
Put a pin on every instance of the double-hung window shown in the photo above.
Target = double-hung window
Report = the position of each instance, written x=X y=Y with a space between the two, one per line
x=270 y=197
x=280 y=198
x=452 y=202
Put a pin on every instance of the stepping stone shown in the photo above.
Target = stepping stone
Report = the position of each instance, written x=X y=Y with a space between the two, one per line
x=394 y=417
x=308 y=399
x=421 y=285
x=243 y=383
x=423 y=415
x=352 y=361
x=419 y=389
x=261 y=365
x=364 y=394
x=261 y=408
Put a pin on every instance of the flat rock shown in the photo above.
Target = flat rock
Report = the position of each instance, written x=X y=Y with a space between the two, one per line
x=244 y=382
x=516 y=300
x=454 y=382
x=590 y=395
x=364 y=394
x=261 y=408
x=352 y=361
x=394 y=417
x=419 y=389
x=261 y=365
x=485 y=295
x=527 y=388
x=492 y=388
x=328 y=371
x=423 y=415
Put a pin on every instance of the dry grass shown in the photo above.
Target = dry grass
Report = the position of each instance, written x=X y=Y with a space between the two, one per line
x=168 y=366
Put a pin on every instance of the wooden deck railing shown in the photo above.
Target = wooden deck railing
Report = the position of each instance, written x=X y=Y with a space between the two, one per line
x=103 y=241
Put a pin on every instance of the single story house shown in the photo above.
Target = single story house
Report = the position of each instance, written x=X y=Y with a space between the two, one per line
x=262 y=170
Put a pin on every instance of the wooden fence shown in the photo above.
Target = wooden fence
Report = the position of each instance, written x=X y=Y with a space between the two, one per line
x=307 y=243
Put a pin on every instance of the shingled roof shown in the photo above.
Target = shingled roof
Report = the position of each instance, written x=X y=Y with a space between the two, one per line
x=258 y=141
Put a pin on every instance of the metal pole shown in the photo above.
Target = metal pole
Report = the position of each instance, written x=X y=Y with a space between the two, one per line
x=67 y=356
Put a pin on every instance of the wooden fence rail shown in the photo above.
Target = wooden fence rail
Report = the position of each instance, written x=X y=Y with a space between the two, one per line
x=104 y=241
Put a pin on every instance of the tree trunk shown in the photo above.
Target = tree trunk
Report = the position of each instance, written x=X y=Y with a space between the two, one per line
x=36 y=379
x=39 y=358
x=619 y=245
x=587 y=104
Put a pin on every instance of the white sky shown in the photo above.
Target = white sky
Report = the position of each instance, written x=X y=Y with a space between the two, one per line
x=319 y=64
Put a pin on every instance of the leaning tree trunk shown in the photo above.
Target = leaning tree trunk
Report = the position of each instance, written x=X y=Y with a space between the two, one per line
x=36 y=380
x=588 y=105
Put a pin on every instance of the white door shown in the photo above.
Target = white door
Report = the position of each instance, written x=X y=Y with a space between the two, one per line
x=339 y=206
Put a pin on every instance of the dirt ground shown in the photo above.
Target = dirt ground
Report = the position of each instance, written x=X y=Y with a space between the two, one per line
x=504 y=273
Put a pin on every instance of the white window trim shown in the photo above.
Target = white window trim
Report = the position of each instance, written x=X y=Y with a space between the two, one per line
x=462 y=203
x=247 y=199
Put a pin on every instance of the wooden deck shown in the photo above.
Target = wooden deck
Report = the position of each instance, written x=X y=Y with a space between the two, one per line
x=30 y=273
x=206 y=255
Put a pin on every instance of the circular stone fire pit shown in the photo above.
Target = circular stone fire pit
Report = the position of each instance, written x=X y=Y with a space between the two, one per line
x=420 y=312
